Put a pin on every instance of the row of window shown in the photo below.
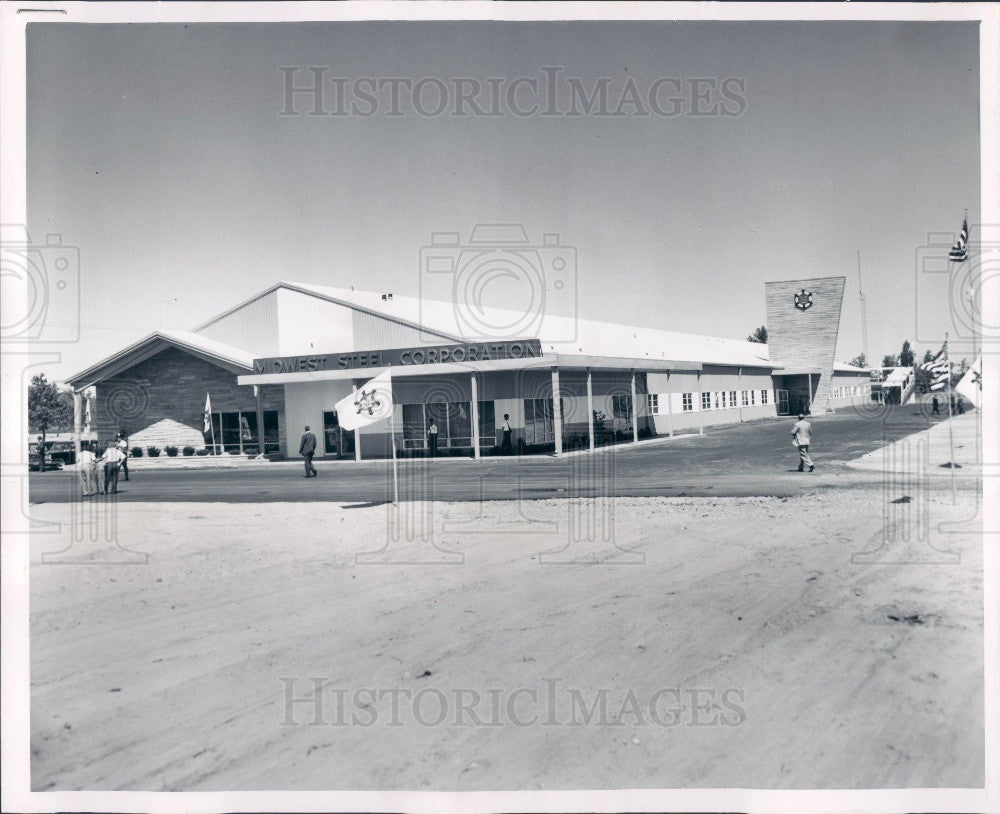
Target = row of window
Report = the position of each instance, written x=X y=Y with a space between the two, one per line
x=711 y=400
x=849 y=390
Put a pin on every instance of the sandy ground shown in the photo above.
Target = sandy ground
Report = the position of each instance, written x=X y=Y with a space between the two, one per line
x=742 y=642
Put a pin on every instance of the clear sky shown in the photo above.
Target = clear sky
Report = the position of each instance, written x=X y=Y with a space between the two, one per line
x=159 y=151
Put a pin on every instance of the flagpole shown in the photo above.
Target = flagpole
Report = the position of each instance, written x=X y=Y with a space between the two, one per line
x=395 y=469
x=951 y=430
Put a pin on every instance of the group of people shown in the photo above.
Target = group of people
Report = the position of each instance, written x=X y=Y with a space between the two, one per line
x=956 y=406
x=308 y=444
x=112 y=463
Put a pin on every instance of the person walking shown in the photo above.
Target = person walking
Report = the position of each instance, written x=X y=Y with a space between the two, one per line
x=307 y=448
x=432 y=439
x=123 y=446
x=505 y=445
x=111 y=460
x=935 y=406
x=801 y=438
x=87 y=465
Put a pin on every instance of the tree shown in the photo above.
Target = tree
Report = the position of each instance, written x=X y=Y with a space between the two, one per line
x=48 y=408
x=859 y=361
x=758 y=335
x=906 y=355
x=928 y=356
x=889 y=360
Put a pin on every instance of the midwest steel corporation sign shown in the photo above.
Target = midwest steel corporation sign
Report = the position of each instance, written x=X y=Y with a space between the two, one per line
x=428 y=355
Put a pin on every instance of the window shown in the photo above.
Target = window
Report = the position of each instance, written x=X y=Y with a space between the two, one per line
x=720 y=400
x=763 y=396
x=706 y=401
x=539 y=426
x=746 y=398
x=653 y=403
x=686 y=402
x=336 y=441
x=732 y=398
x=753 y=396
x=454 y=424
x=237 y=432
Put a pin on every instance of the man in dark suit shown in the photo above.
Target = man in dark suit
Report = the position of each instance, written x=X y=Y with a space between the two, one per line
x=307 y=448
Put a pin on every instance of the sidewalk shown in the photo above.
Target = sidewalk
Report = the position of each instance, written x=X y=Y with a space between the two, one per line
x=927 y=452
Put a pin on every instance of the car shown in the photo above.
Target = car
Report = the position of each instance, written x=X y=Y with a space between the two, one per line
x=52 y=462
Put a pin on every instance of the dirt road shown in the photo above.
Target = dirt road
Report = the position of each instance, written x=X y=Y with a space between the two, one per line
x=692 y=642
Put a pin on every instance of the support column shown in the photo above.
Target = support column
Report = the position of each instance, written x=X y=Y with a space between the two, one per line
x=557 y=412
x=475 y=416
x=701 y=420
x=259 y=398
x=357 y=433
x=590 y=408
x=670 y=405
x=77 y=418
x=812 y=394
x=635 y=413
x=739 y=385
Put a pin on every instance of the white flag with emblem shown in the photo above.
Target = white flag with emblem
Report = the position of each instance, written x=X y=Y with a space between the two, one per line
x=971 y=385
x=371 y=403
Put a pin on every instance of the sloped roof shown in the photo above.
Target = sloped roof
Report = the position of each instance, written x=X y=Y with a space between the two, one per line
x=234 y=359
x=559 y=334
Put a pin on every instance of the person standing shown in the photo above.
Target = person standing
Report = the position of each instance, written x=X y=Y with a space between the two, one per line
x=961 y=407
x=123 y=446
x=87 y=464
x=505 y=446
x=111 y=459
x=41 y=454
x=307 y=448
x=801 y=438
x=432 y=439
x=936 y=406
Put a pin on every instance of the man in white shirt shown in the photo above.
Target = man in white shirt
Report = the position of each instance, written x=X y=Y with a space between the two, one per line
x=432 y=439
x=801 y=438
x=87 y=465
x=111 y=459
x=123 y=446
x=505 y=445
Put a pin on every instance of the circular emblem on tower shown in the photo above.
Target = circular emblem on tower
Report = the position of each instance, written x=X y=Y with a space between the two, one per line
x=804 y=300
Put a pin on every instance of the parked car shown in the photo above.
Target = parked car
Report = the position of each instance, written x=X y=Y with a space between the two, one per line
x=65 y=451
x=51 y=462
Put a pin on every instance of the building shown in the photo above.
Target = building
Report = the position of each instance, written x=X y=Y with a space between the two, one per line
x=282 y=359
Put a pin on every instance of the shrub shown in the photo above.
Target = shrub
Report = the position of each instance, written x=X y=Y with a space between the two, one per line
x=136 y=452
x=171 y=451
x=153 y=452
x=188 y=452
x=202 y=452
x=234 y=452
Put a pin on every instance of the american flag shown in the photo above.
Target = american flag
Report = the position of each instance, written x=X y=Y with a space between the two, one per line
x=939 y=367
x=960 y=248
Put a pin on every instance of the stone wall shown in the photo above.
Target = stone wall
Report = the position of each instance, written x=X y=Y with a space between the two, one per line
x=805 y=338
x=161 y=401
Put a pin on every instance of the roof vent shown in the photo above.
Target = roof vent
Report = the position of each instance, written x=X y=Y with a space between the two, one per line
x=386 y=297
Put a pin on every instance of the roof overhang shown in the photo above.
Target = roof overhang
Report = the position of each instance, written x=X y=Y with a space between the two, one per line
x=142 y=350
x=799 y=371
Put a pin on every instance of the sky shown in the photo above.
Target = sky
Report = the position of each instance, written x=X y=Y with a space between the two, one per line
x=162 y=153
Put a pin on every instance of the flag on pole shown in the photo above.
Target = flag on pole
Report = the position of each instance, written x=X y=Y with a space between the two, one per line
x=208 y=413
x=939 y=367
x=370 y=404
x=960 y=248
x=971 y=385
